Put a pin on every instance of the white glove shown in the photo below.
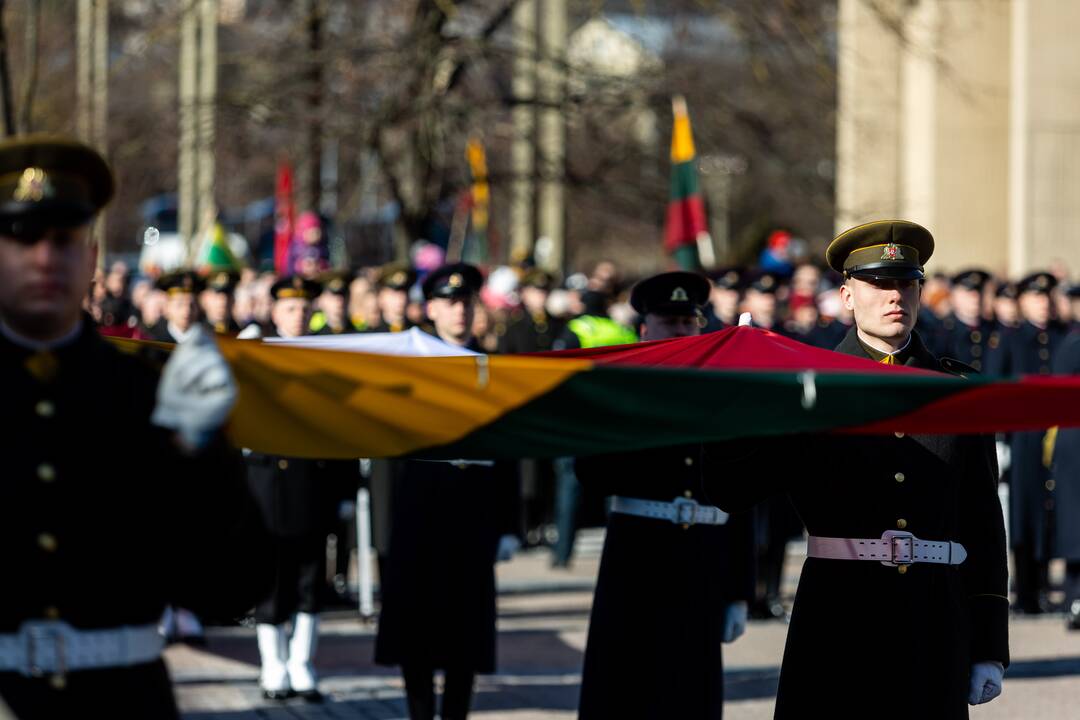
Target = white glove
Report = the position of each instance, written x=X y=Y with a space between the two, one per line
x=986 y=679
x=508 y=545
x=735 y=620
x=197 y=390
x=1004 y=456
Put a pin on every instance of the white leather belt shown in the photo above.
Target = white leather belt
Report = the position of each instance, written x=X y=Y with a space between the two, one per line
x=895 y=547
x=681 y=511
x=53 y=646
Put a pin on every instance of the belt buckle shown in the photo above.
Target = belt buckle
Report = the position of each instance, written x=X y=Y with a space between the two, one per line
x=892 y=536
x=38 y=634
x=686 y=511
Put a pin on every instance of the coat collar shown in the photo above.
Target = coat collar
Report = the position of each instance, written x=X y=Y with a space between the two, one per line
x=914 y=355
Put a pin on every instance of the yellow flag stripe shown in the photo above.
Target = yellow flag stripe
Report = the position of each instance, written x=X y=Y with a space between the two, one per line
x=325 y=404
x=682 y=138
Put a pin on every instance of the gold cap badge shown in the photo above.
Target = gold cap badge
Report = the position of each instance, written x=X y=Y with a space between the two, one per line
x=454 y=280
x=679 y=295
x=34 y=186
x=892 y=252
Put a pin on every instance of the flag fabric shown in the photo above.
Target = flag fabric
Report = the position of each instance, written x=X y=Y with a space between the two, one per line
x=284 y=218
x=479 y=201
x=215 y=253
x=736 y=383
x=686 y=210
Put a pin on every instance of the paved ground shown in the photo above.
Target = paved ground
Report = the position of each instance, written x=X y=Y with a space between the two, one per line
x=543 y=619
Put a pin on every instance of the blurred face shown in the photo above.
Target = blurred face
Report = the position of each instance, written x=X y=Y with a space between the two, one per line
x=392 y=304
x=1035 y=307
x=761 y=306
x=806 y=280
x=180 y=310
x=291 y=316
x=806 y=315
x=116 y=283
x=153 y=307
x=664 y=327
x=1006 y=311
x=604 y=276
x=43 y=282
x=725 y=303
x=884 y=309
x=534 y=299
x=967 y=304
x=333 y=306
x=452 y=317
x=215 y=306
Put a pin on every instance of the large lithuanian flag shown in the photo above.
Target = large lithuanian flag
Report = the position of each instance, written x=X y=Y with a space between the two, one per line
x=740 y=382
x=686 y=210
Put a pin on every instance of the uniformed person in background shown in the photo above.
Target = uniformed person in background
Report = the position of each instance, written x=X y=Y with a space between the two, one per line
x=94 y=549
x=289 y=494
x=181 y=312
x=964 y=334
x=723 y=308
x=451 y=521
x=332 y=317
x=759 y=299
x=654 y=647
x=775 y=522
x=933 y=621
x=394 y=282
x=1030 y=350
x=531 y=328
x=181 y=321
x=217 y=302
x=1063 y=447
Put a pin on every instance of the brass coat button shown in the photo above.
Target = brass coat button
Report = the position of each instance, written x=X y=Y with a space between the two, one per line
x=1050 y=485
x=46 y=472
x=902 y=569
x=45 y=409
x=57 y=682
x=899 y=477
x=689 y=461
x=901 y=523
x=52 y=612
x=282 y=464
x=899 y=434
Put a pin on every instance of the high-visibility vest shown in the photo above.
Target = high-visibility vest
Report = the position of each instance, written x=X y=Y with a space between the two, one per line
x=595 y=331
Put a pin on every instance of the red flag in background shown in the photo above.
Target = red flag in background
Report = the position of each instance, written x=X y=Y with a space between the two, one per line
x=686 y=209
x=285 y=216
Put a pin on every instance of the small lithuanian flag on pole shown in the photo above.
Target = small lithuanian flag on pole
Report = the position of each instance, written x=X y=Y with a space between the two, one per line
x=686 y=210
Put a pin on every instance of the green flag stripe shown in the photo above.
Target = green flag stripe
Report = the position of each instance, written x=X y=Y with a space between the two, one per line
x=696 y=406
x=684 y=180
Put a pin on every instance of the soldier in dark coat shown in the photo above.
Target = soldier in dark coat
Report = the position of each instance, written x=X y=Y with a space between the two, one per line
x=964 y=334
x=216 y=301
x=451 y=520
x=723 y=308
x=531 y=328
x=333 y=316
x=181 y=312
x=1030 y=349
x=701 y=572
x=290 y=494
x=926 y=634
x=94 y=549
x=394 y=282
x=1065 y=477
